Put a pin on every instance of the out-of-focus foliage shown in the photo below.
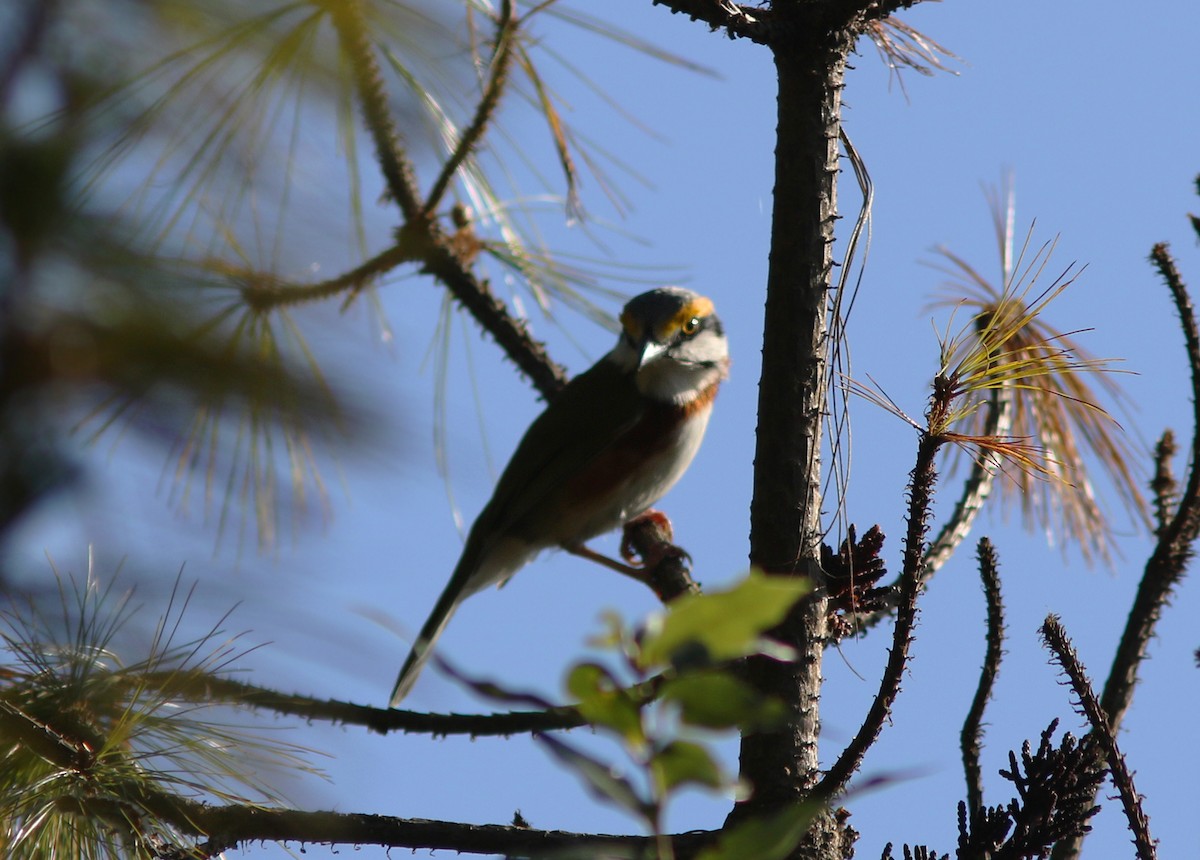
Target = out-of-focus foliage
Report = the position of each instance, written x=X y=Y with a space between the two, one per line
x=102 y=753
x=176 y=173
x=98 y=325
x=665 y=736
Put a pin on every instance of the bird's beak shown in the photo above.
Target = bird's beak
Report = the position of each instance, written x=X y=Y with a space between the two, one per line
x=650 y=350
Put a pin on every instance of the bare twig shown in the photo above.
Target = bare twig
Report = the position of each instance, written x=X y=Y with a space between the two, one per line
x=506 y=33
x=975 y=491
x=229 y=825
x=350 y=22
x=1056 y=640
x=381 y=720
x=1176 y=534
x=972 y=732
x=264 y=293
x=747 y=22
x=442 y=255
x=1163 y=485
x=1166 y=565
x=924 y=477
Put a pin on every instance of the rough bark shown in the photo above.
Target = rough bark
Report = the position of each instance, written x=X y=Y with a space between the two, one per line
x=782 y=765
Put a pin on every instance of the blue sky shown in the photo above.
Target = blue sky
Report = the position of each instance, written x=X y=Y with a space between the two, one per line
x=1094 y=111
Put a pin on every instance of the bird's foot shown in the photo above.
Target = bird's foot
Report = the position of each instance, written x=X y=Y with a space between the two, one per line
x=648 y=539
x=649 y=556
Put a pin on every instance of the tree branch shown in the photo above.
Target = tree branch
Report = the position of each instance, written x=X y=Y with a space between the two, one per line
x=349 y=20
x=1167 y=563
x=785 y=526
x=971 y=737
x=766 y=26
x=264 y=292
x=1163 y=485
x=747 y=22
x=924 y=477
x=20 y=728
x=492 y=314
x=447 y=257
x=228 y=826
x=506 y=33
x=976 y=489
x=1055 y=638
x=202 y=687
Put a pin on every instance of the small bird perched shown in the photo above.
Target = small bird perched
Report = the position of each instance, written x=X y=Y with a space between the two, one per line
x=609 y=446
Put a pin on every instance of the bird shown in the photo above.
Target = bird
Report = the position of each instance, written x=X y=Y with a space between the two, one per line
x=613 y=441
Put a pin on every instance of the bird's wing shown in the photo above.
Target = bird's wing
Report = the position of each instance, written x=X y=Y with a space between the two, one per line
x=594 y=410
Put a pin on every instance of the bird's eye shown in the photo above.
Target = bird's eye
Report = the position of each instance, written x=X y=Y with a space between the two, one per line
x=690 y=327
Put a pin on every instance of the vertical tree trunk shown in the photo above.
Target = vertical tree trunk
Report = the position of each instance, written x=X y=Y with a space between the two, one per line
x=785 y=527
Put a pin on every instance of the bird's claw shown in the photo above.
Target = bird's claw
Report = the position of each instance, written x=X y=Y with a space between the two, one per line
x=649 y=538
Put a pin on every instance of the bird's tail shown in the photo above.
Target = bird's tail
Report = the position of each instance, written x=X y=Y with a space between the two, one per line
x=483 y=563
x=422 y=648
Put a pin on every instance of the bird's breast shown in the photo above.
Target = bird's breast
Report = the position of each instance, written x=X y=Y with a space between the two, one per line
x=633 y=473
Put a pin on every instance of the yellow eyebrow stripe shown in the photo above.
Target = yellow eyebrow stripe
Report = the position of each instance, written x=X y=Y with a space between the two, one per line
x=634 y=326
x=699 y=307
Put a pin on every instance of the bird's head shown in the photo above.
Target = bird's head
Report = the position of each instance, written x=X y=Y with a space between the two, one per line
x=674 y=342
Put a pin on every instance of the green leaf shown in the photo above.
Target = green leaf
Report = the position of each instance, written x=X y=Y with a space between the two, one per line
x=721 y=625
x=603 y=702
x=682 y=762
x=602 y=779
x=614 y=636
x=771 y=837
x=716 y=699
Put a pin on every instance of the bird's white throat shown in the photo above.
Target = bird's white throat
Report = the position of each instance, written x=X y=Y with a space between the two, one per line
x=671 y=381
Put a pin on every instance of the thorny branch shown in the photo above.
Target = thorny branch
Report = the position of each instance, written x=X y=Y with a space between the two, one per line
x=506 y=27
x=972 y=731
x=975 y=492
x=446 y=255
x=738 y=21
x=349 y=19
x=1179 y=524
x=761 y=24
x=227 y=826
x=382 y=720
x=1166 y=565
x=1163 y=485
x=1056 y=640
x=924 y=477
